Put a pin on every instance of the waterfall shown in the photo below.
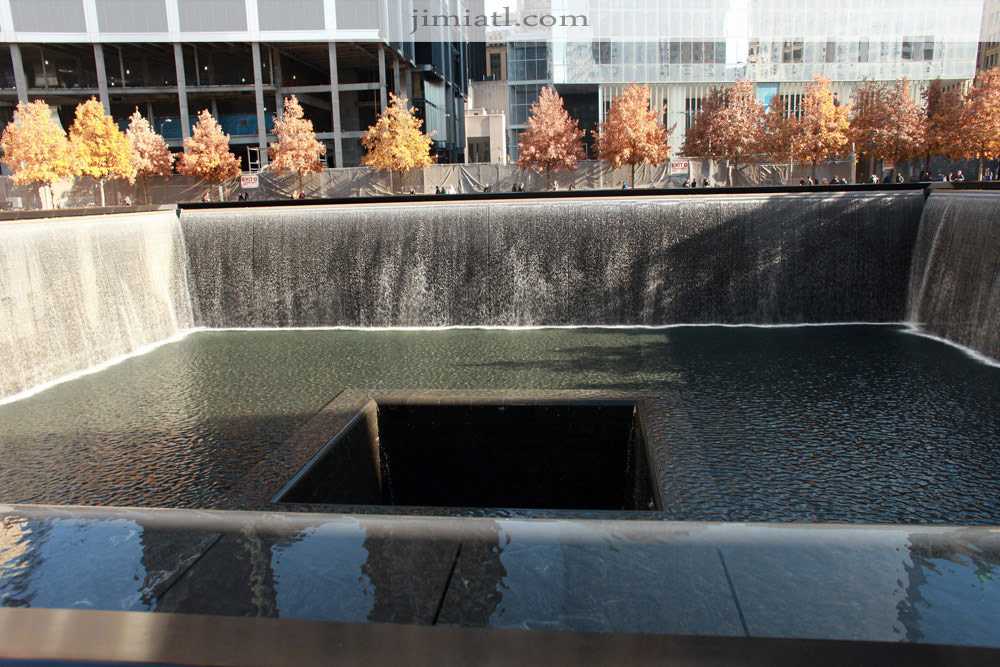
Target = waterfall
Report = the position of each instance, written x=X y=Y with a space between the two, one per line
x=781 y=258
x=77 y=292
x=955 y=276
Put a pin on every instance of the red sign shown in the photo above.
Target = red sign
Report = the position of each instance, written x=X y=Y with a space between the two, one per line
x=679 y=167
x=249 y=181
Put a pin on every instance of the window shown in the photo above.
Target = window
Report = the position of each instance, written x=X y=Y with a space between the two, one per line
x=831 y=52
x=791 y=52
x=602 y=52
x=522 y=97
x=863 y=51
x=528 y=61
x=496 y=71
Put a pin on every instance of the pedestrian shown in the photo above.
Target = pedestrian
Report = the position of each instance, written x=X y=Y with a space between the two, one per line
x=705 y=183
x=572 y=186
x=624 y=186
x=302 y=194
x=950 y=177
x=959 y=176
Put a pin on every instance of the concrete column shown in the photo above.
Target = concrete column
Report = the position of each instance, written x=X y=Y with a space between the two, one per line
x=258 y=92
x=382 y=97
x=102 y=77
x=20 y=80
x=279 y=98
x=338 y=145
x=182 y=95
x=409 y=84
x=397 y=81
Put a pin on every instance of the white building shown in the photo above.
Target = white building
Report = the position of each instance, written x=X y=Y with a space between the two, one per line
x=239 y=58
x=683 y=48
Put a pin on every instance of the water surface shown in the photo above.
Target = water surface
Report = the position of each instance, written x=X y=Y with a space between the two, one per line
x=842 y=423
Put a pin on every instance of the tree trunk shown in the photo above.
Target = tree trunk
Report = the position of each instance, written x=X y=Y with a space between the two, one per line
x=815 y=162
x=145 y=189
x=101 y=181
x=548 y=178
x=633 y=176
x=222 y=193
x=980 y=167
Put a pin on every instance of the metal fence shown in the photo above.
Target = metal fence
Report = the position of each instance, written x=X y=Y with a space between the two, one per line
x=363 y=181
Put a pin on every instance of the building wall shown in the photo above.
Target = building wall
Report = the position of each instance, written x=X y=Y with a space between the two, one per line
x=173 y=58
x=491 y=127
x=684 y=48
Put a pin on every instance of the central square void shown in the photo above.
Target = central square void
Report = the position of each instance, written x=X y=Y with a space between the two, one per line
x=582 y=456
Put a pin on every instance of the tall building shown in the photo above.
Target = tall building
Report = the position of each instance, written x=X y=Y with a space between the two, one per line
x=593 y=48
x=989 y=36
x=239 y=59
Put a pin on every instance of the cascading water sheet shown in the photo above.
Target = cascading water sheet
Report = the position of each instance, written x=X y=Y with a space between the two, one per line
x=77 y=292
x=955 y=277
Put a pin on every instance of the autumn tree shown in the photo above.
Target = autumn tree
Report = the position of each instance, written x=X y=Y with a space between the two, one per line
x=698 y=138
x=395 y=142
x=206 y=154
x=980 y=119
x=37 y=149
x=823 y=127
x=632 y=133
x=733 y=124
x=779 y=129
x=150 y=155
x=552 y=141
x=942 y=119
x=886 y=122
x=101 y=149
x=297 y=150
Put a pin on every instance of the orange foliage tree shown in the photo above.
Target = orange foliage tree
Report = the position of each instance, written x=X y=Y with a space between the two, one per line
x=779 y=130
x=632 y=133
x=37 y=149
x=942 y=118
x=297 y=149
x=698 y=138
x=732 y=122
x=552 y=140
x=395 y=142
x=101 y=148
x=887 y=123
x=206 y=154
x=980 y=119
x=823 y=127
x=150 y=155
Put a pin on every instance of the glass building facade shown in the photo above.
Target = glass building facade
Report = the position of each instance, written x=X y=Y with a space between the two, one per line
x=239 y=59
x=682 y=48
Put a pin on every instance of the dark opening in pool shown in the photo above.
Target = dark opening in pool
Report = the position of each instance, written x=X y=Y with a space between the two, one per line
x=527 y=456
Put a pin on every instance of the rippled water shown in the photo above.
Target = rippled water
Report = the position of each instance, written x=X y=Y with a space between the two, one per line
x=847 y=423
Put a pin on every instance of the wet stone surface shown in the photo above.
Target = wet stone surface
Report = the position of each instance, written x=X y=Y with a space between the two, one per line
x=843 y=424
x=917 y=584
